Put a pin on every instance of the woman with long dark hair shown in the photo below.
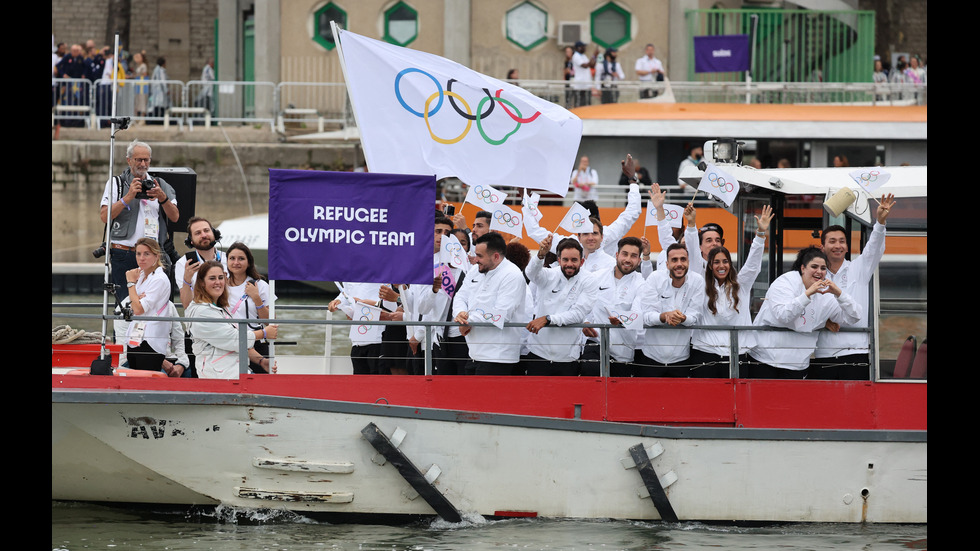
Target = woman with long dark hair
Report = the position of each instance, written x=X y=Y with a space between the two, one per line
x=249 y=294
x=727 y=294
x=804 y=300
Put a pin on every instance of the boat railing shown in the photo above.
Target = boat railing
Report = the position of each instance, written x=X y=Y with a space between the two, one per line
x=430 y=326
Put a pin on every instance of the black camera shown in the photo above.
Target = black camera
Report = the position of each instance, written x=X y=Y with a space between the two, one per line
x=448 y=209
x=148 y=184
x=100 y=252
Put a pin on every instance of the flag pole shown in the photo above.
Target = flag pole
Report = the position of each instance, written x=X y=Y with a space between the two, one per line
x=336 y=31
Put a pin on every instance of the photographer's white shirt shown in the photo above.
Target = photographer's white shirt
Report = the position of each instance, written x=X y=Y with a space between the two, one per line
x=149 y=210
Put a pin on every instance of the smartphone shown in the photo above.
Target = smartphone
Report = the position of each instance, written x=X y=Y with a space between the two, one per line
x=449 y=210
x=191 y=257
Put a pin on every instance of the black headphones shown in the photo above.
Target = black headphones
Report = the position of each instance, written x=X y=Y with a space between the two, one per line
x=216 y=233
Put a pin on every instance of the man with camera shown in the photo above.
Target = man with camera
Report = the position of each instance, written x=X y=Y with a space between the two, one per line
x=139 y=205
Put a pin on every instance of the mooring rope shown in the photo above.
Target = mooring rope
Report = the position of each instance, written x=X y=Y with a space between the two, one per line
x=64 y=334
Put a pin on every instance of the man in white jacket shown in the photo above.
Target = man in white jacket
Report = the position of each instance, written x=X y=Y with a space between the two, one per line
x=844 y=356
x=565 y=296
x=669 y=297
x=493 y=292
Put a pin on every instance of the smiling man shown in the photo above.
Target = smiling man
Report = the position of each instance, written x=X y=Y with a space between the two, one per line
x=669 y=297
x=565 y=296
x=844 y=356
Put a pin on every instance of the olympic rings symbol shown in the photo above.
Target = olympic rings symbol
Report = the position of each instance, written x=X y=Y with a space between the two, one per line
x=509 y=219
x=487 y=316
x=870 y=177
x=719 y=182
x=468 y=115
x=453 y=248
x=577 y=220
x=673 y=214
x=365 y=316
x=486 y=195
x=626 y=319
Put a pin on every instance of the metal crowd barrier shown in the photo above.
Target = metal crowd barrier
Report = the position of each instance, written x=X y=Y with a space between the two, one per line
x=85 y=103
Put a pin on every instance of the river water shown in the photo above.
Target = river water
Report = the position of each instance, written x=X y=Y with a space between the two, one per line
x=77 y=526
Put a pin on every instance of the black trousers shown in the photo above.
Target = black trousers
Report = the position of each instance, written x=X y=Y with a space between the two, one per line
x=538 y=366
x=648 y=367
x=143 y=357
x=366 y=359
x=853 y=367
x=589 y=363
x=451 y=356
x=474 y=367
x=715 y=366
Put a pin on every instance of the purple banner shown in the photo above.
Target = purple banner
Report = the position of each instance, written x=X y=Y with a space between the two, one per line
x=716 y=54
x=350 y=226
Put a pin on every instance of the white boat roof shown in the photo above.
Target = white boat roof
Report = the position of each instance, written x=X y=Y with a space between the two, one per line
x=253 y=231
x=903 y=181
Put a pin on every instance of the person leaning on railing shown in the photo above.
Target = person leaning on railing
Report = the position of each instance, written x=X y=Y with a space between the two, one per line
x=216 y=345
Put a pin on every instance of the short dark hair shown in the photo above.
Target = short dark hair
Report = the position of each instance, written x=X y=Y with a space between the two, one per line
x=519 y=254
x=675 y=246
x=484 y=214
x=828 y=229
x=444 y=220
x=494 y=241
x=591 y=206
x=569 y=243
x=711 y=226
x=630 y=240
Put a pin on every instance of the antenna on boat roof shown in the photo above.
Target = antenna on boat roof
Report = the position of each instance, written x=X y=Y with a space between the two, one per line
x=103 y=364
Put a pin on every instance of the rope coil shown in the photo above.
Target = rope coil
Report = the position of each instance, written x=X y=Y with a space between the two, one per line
x=64 y=334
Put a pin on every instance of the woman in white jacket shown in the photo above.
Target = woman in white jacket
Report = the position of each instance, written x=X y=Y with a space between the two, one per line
x=148 y=289
x=803 y=300
x=727 y=296
x=216 y=344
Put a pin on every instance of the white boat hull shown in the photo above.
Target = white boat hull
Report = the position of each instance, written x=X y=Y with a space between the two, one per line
x=310 y=456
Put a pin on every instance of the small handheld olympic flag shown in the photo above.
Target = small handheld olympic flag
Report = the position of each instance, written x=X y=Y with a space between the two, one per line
x=478 y=315
x=630 y=319
x=507 y=220
x=451 y=252
x=530 y=202
x=870 y=179
x=720 y=184
x=366 y=312
x=485 y=197
x=576 y=220
x=675 y=214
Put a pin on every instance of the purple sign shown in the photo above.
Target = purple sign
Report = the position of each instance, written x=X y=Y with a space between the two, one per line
x=716 y=54
x=350 y=226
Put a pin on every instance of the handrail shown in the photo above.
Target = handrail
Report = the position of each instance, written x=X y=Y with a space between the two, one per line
x=602 y=327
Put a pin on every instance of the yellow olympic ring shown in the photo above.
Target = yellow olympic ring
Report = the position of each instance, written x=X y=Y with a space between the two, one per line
x=469 y=123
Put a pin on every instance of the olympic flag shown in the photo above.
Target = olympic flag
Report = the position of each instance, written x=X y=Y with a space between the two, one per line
x=576 y=220
x=419 y=113
x=870 y=179
x=720 y=184
x=507 y=220
x=675 y=214
x=484 y=196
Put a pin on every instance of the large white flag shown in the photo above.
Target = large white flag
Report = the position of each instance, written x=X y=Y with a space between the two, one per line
x=870 y=179
x=419 y=113
x=719 y=183
x=576 y=220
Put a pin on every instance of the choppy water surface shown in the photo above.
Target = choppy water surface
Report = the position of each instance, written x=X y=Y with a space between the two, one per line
x=77 y=526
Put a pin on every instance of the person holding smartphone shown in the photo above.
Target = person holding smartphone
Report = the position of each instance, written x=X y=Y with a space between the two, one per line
x=203 y=238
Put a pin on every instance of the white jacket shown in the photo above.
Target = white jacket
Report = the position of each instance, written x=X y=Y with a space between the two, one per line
x=787 y=305
x=567 y=301
x=658 y=295
x=501 y=292
x=215 y=345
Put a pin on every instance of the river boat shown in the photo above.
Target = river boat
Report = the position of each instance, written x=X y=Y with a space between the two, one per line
x=337 y=444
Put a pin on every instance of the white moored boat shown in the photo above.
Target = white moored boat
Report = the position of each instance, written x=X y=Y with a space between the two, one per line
x=573 y=447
